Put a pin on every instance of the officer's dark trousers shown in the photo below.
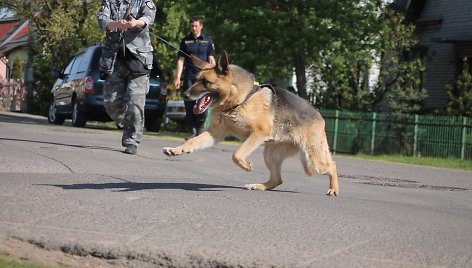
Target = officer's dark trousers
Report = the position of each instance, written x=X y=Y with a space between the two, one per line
x=195 y=122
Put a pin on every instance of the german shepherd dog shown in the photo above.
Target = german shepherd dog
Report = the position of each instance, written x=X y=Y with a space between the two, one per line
x=284 y=122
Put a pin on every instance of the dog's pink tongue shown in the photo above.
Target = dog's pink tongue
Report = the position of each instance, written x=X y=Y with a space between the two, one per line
x=202 y=104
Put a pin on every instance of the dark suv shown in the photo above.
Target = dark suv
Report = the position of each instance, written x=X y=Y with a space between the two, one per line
x=78 y=92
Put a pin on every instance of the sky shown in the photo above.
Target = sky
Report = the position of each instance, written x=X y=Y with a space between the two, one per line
x=5 y=13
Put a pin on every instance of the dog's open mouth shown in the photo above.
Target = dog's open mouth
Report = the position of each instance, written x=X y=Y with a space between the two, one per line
x=202 y=104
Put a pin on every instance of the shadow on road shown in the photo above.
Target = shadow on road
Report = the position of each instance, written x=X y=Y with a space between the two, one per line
x=62 y=144
x=138 y=186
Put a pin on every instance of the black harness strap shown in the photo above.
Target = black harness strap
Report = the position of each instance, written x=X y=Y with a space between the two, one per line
x=254 y=90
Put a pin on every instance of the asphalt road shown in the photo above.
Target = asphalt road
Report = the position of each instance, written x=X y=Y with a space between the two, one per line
x=71 y=189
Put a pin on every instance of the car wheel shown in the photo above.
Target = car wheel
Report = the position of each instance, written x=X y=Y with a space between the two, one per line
x=78 y=117
x=53 y=116
x=153 y=124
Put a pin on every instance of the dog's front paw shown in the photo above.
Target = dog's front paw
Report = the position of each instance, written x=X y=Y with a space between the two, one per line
x=169 y=151
x=242 y=163
x=255 y=186
x=176 y=151
x=246 y=166
x=333 y=192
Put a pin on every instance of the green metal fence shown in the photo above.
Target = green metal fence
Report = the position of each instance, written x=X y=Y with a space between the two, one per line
x=411 y=135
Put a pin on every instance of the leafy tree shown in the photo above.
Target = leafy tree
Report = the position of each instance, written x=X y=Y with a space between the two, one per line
x=406 y=95
x=171 y=25
x=269 y=38
x=343 y=78
x=401 y=66
x=408 y=100
x=58 y=29
x=336 y=42
x=460 y=96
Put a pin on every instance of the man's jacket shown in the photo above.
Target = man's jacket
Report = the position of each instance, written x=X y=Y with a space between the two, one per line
x=136 y=39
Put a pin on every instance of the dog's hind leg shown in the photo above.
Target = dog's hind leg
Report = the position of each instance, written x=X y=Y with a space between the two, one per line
x=333 y=179
x=274 y=155
x=317 y=157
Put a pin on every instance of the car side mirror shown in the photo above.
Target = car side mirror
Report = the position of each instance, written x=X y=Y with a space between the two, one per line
x=57 y=74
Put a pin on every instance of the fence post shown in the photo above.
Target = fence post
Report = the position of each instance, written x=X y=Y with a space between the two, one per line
x=372 y=139
x=415 y=136
x=464 y=132
x=335 y=136
x=206 y=124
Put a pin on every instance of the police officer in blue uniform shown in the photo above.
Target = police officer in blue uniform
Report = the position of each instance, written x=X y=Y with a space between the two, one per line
x=200 y=45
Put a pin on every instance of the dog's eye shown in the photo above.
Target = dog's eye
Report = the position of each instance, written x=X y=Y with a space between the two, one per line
x=205 y=82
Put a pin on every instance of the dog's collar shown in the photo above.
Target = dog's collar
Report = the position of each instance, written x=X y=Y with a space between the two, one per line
x=255 y=89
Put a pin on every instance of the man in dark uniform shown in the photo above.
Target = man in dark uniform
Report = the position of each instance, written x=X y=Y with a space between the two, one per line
x=200 y=45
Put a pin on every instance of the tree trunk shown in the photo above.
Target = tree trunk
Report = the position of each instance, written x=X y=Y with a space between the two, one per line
x=299 y=62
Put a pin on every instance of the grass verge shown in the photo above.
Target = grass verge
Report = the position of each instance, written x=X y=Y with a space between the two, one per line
x=422 y=161
x=8 y=261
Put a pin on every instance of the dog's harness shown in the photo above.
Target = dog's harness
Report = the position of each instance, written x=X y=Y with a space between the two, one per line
x=254 y=90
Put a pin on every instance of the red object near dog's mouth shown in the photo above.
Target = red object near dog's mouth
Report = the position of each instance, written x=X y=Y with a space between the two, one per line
x=202 y=104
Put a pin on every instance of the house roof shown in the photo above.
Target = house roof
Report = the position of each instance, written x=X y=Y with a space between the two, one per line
x=6 y=27
x=16 y=37
x=11 y=45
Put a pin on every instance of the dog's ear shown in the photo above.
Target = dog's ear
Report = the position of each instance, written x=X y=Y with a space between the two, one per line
x=223 y=63
x=200 y=63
